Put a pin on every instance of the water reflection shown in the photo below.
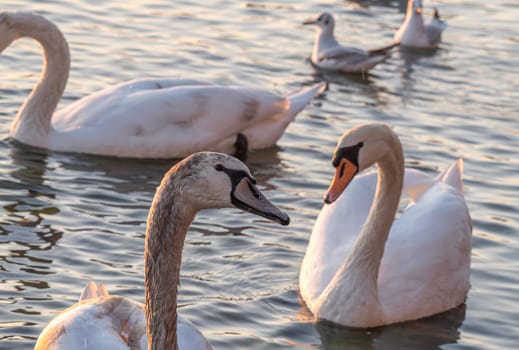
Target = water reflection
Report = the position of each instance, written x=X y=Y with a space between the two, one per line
x=28 y=210
x=362 y=86
x=30 y=165
x=266 y=165
x=401 y=4
x=429 y=333
x=411 y=58
x=341 y=78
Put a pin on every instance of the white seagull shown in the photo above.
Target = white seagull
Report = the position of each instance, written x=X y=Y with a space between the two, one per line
x=144 y=118
x=414 y=33
x=329 y=54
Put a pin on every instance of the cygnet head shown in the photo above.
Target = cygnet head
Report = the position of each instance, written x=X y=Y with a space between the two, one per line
x=358 y=149
x=324 y=21
x=216 y=180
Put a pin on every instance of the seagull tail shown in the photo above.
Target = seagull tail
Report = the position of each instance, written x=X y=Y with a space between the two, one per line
x=299 y=99
x=437 y=20
x=383 y=50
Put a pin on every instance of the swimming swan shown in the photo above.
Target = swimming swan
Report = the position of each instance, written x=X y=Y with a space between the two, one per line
x=146 y=118
x=102 y=321
x=414 y=33
x=364 y=268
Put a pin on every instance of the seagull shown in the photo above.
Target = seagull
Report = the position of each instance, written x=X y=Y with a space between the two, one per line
x=414 y=33
x=328 y=54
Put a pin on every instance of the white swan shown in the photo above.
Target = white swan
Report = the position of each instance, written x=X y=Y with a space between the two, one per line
x=364 y=268
x=328 y=54
x=414 y=33
x=100 y=321
x=148 y=118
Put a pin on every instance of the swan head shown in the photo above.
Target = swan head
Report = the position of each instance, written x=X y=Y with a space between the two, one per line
x=358 y=149
x=7 y=33
x=324 y=21
x=216 y=180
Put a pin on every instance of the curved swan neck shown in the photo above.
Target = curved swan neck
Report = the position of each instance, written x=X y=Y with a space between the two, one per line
x=354 y=286
x=33 y=121
x=369 y=247
x=168 y=221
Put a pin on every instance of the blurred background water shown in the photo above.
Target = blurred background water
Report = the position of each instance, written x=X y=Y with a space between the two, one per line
x=67 y=218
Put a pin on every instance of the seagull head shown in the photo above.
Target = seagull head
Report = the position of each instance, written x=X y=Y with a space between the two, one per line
x=417 y=6
x=324 y=21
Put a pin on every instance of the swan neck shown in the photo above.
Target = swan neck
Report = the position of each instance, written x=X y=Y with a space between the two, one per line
x=375 y=232
x=358 y=276
x=33 y=121
x=168 y=221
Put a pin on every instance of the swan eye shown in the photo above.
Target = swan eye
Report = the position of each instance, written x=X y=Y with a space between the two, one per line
x=360 y=144
x=254 y=191
x=326 y=22
x=218 y=167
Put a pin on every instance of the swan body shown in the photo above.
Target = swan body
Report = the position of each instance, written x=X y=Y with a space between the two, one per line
x=103 y=321
x=329 y=54
x=364 y=268
x=414 y=33
x=145 y=118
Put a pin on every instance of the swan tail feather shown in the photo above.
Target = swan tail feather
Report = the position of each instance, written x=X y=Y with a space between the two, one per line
x=453 y=175
x=416 y=183
x=93 y=290
x=299 y=99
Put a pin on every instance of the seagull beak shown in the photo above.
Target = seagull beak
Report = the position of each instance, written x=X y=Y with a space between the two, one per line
x=310 y=21
x=419 y=10
x=344 y=173
x=246 y=196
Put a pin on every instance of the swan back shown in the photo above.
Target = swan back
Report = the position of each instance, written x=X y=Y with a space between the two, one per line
x=111 y=322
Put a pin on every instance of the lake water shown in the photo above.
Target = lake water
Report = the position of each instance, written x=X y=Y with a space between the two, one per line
x=67 y=219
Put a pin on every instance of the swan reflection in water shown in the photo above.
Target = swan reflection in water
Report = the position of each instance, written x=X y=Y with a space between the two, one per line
x=424 y=334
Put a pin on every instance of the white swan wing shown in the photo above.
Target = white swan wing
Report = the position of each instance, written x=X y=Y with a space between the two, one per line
x=136 y=120
x=111 y=322
x=189 y=337
x=426 y=264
